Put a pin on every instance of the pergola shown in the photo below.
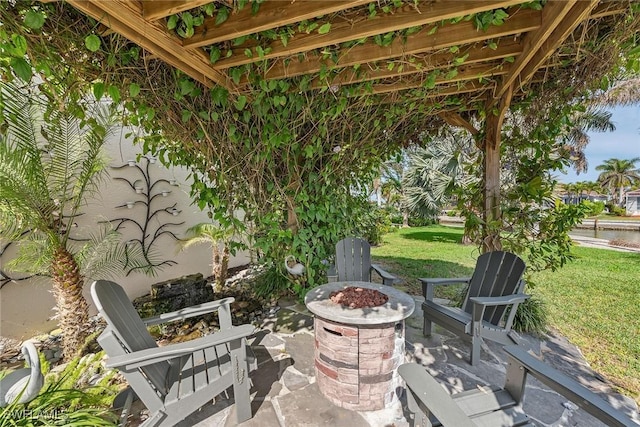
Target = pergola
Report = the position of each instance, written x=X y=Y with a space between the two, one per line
x=395 y=46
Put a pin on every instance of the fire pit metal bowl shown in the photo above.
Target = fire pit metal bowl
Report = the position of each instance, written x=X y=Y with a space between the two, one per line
x=358 y=350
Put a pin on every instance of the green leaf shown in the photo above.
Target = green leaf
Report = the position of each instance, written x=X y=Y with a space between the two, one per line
x=324 y=29
x=284 y=38
x=186 y=86
x=215 y=54
x=241 y=102
x=493 y=45
x=432 y=30
x=21 y=68
x=510 y=59
x=114 y=93
x=248 y=53
x=223 y=15
x=19 y=45
x=98 y=90
x=134 y=90
x=219 y=95
x=92 y=42
x=236 y=74
x=454 y=49
x=172 y=22
x=186 y=115
x=34 y=19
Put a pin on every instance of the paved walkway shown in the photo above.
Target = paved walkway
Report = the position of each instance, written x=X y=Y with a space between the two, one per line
x=284 y=392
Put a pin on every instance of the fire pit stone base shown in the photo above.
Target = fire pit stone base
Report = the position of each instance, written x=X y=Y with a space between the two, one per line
x=356 y=365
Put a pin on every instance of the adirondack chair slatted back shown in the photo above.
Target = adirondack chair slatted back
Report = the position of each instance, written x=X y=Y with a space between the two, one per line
x=353 y=259
x=497 y=273
x=123 y=320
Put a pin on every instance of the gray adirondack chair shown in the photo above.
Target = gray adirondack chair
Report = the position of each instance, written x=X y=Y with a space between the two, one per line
x=431 y=405
x=495 y=289
x=353 y=262
x=175 y=380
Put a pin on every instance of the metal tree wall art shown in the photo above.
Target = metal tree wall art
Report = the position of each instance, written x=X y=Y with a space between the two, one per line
x=147 y=193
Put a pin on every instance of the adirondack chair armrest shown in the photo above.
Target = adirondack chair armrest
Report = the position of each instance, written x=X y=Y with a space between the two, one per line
x=194 y=310
x=501 y=300
x=150 y=356
x=424 y=392
x=429 y=283
x=522 y=363
x=387 y=278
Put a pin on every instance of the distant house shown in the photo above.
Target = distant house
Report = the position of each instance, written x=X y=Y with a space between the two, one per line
x=633 y=203
x=574 y=199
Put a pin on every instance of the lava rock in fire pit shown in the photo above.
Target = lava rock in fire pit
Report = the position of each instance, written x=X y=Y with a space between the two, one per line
x=355 y=297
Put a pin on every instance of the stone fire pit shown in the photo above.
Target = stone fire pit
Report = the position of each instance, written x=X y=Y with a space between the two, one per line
x=358 y=350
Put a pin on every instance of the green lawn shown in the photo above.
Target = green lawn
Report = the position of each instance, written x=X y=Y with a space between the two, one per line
x=594 y=301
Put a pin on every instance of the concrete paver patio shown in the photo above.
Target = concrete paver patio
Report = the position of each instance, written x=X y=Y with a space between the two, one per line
x=284 y=393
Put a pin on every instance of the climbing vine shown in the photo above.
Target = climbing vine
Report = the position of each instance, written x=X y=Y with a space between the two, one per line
x=292 y=156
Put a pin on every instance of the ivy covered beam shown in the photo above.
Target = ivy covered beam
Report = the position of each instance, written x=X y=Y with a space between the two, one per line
x=272 y=14
x=152 y=10
x=564 y=15
x=476 y=53
x=470 y=72
x=455 y=119
x=577 y=15
x=341 y=31
x=446 y=36
x=125 y=18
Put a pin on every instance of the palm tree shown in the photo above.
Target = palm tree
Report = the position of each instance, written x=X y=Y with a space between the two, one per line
x=215 y=235
x=593 y=119
x=50 y=162
x=435 y=171
x=617 y=174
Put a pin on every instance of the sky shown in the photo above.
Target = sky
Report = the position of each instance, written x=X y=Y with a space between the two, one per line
x=623 y=143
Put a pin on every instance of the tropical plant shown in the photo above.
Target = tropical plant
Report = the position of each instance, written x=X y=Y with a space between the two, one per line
x=62 y=402
x=616 y=174
x=223 y=246
x=435 y=171
x=50 y=162
x=589 y=119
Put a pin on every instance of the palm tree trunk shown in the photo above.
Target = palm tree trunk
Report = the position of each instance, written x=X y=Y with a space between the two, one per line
x=220 y=266
x=621 y=193
x=73 y=310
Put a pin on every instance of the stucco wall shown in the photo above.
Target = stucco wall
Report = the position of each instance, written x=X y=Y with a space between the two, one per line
x=26 y=307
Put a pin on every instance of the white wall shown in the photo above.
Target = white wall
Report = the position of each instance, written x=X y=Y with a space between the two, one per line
x=26 y=307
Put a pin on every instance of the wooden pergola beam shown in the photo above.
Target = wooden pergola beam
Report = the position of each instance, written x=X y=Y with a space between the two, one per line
x=272 y=14
x=579 y=13
x=609 y=8
x=475 y=54
x=457 y=89
x=154 y=39
x=465 y=73
x=448 y=35
x=455 y=119
x=553 y=14
x=153 y=10
x=342 y=31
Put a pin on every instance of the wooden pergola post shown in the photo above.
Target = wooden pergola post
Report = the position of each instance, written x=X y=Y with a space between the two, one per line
x=492 y=213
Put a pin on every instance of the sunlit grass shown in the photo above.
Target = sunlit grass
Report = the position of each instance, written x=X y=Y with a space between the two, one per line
x=593 y=301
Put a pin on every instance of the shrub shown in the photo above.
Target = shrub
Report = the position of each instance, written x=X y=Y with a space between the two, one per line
x=271 y=282
x=421 y=221
x=67 y=399
x=374 y=223
x=531 y=317
x=616 y=210
x=593 y=208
